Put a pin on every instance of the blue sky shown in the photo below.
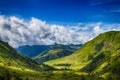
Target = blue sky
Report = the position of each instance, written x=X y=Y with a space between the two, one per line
x=64 y=11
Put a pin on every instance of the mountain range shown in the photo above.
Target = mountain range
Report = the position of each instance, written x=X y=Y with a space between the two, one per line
x=97 y=59
x=100 y=56
x=16 y=66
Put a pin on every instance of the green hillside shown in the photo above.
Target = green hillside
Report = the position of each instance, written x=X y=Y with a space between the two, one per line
x=100 y=56
x=12 y=59
x=56 y=51
x=12 y=63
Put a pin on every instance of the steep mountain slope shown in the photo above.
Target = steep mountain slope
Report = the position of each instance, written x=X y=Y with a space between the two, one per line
x=32 y=51
x=56 y=51
x=9 y=58
x=100 y=56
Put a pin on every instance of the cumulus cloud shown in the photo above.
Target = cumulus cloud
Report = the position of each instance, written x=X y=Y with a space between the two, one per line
x=18 y=32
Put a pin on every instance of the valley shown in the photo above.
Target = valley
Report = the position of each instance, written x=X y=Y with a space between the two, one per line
x=97 y=59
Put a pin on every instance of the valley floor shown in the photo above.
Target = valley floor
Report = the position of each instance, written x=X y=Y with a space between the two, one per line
x=12 y=74
x=7 y=73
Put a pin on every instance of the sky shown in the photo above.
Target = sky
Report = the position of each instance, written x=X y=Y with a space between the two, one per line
x=45 y=22
x=64 y=11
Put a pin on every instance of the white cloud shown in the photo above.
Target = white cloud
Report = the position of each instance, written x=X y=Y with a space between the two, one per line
x=97 y=30
x=19 y=32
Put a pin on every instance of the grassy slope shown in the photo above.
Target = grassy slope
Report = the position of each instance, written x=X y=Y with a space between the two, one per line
x=56 y=51
x=100 y=55
x=11 y=59
x=11 y=74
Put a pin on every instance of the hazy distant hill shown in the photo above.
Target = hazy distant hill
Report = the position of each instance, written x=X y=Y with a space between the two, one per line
x=56 y=51
x=32 y=51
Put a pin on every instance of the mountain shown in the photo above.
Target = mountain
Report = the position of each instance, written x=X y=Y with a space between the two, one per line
x=56 y=51
x=100 y=56
x=32 y=51
x=11 y=58
x=11 y=62
x=15 y=66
